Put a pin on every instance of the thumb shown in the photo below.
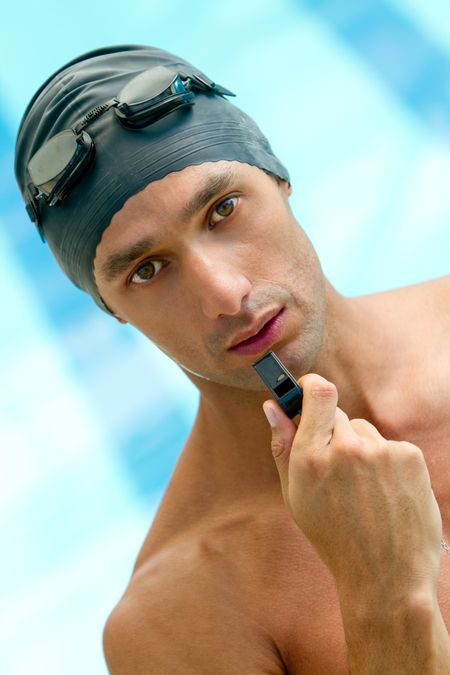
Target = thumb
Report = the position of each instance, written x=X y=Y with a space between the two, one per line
x=318 y=418
x=283 y=433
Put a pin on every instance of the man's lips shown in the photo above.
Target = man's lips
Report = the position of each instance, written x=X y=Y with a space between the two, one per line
x=259 y=337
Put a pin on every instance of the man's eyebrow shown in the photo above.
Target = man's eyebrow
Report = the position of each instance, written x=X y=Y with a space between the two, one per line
x=212 y=186
x=118 y=263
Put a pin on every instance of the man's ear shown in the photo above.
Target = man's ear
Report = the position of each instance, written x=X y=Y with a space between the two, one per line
x=119 y=319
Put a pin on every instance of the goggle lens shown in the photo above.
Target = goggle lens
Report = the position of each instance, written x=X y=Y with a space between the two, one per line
x=150 y=96
x=56 y=165
x=52 y=159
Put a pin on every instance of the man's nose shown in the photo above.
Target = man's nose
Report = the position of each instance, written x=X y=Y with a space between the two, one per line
x=219 y=284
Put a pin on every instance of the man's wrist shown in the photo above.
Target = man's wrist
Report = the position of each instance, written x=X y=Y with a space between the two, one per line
x=405 y=635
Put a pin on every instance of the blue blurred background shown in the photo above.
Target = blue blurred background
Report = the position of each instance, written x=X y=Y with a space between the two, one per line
x=354 y=96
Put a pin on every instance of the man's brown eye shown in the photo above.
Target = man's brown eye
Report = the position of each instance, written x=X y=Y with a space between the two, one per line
x=226 y=208
x=223 y=210
x=146 y=272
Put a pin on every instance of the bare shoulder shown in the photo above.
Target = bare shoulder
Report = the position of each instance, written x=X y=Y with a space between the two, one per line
x=435 y=290
x=183 y=613
x=424 y=306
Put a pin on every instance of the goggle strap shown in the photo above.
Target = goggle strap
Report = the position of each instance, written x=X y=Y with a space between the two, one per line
x=204 y=83
x=222 y=91
x=32 y=209
x=93 y=114
x=160 y=109
x=40 y=232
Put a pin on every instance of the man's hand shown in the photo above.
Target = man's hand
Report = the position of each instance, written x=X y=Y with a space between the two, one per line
x=367 y=506
x=364 y=502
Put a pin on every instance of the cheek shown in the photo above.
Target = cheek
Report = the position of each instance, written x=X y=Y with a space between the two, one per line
x=165 y=333
x=166 y=320
x=277 y=240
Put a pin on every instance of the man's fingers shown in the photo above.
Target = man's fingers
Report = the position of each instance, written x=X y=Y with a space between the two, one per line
x=365 y=429
x=283 y=428
x=283 y=433
x=319 y=411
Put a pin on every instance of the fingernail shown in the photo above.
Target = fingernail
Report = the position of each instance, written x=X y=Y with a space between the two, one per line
x=271 y=417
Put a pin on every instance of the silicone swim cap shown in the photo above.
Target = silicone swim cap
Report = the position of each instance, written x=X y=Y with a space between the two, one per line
x=126 y=160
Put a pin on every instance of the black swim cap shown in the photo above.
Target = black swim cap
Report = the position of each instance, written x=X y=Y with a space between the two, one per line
x=126 y=160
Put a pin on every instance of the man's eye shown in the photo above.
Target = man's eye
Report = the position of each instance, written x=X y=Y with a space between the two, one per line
x=146 y=272
x=223 y=210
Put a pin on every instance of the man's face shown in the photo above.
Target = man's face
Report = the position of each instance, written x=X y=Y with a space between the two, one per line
x=207 y=257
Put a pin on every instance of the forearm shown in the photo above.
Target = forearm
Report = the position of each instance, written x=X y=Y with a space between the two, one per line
x=406 y=637
x=367 y=506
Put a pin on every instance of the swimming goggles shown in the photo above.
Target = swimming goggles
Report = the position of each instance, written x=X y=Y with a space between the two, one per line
x=63 y=159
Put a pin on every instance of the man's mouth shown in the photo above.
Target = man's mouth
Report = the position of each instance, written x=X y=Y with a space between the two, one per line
x=261 y=336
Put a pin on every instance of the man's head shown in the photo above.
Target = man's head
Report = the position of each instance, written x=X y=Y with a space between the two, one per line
x=180 y=226
x=205 y=258
x=105 y=126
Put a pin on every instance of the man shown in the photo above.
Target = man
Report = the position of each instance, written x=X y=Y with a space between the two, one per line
x=276 y=549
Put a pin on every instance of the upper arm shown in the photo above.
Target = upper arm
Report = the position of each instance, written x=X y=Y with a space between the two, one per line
x=146 y=642
x=132 y=647
x=150 y=638
x=111 y=649
x=143 y=643
x=118 y=638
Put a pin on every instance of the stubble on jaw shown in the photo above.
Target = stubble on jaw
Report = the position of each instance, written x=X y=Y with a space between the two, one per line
x=302 y=353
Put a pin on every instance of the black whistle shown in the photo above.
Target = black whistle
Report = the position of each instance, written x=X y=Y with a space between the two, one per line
x=281 y=383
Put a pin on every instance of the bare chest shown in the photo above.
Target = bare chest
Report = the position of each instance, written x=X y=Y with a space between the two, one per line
x=444 y=588
x=279 y=584
x=288 y=592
